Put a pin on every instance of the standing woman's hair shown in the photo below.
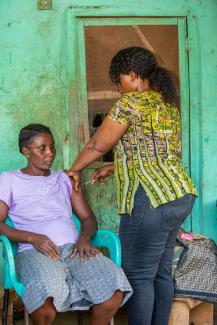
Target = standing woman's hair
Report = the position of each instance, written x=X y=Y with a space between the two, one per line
x=30 y=131
x=144 y=64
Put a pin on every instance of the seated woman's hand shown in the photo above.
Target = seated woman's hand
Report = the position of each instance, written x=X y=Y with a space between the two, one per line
x=44 y=245
x=76 y=177
x=102 y=172
x=84 y=247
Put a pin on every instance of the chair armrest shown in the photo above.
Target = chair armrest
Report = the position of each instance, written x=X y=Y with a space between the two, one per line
x=109 y=240
x=10 y=276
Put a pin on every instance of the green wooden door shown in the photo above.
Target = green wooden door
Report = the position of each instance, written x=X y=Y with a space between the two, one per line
x=98 y=39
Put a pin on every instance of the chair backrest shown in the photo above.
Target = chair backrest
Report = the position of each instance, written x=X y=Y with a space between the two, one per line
x=14 y=245
x=76 y=221
x=103 y=238
x=10 y=276
x=10 y=250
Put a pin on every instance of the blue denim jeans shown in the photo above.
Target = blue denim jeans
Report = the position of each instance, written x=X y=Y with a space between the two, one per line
x=148 y=238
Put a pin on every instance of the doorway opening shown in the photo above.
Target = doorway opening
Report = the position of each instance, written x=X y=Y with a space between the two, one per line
x=103 y=42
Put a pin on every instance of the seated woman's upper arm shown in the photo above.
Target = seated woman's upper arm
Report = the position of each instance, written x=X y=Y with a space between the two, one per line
x=79 y=204
x=3 y=211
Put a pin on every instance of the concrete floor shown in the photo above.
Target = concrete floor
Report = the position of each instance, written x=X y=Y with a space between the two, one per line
x=71 y=319
x=120 y=319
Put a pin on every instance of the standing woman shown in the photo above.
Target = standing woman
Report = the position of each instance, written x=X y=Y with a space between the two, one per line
x=154 y=193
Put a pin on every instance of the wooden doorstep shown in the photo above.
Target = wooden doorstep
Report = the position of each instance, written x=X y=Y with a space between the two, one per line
x=186 y=311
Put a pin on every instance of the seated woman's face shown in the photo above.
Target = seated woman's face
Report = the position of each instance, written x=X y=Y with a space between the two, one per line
x=41 y=151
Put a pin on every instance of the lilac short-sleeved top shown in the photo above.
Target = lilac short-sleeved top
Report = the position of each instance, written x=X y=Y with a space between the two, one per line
x=40 y=204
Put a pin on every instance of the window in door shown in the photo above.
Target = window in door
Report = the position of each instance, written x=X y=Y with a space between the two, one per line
x=102 y=43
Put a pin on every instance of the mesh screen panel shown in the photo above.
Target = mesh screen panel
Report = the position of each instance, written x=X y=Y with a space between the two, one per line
x=103 y=42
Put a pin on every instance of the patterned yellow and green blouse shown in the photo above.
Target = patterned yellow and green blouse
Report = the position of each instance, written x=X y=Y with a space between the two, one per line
x=149 y=152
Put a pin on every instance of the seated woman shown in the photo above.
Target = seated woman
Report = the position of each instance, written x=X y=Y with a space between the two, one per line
x=58 y=266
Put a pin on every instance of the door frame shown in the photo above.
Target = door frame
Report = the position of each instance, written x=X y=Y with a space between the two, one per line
x=189 y=73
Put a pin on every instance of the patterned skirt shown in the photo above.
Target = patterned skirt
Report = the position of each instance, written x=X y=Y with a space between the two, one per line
x=74 y=285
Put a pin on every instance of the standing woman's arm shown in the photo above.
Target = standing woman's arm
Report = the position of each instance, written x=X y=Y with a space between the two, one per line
x=103 y=140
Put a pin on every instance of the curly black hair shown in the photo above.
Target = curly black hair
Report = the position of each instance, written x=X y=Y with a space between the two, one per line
x=29 y=131
x=144 y=64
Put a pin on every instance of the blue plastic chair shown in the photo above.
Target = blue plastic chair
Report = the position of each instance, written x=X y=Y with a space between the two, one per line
x=103 y=239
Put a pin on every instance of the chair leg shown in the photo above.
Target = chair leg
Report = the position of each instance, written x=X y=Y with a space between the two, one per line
x=26 y=317
x=112 y=322
x=5 y=307
x=80 y=317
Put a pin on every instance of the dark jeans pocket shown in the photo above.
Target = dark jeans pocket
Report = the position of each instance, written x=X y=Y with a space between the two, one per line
x=175 y=212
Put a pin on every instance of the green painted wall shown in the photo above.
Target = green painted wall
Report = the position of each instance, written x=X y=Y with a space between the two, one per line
x=38 y=84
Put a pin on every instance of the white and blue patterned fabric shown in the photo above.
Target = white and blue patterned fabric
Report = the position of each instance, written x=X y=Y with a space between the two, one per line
x=74 y=285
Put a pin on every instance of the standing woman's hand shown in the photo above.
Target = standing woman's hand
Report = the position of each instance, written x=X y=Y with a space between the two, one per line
x=102 y=172
x=76 y=176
